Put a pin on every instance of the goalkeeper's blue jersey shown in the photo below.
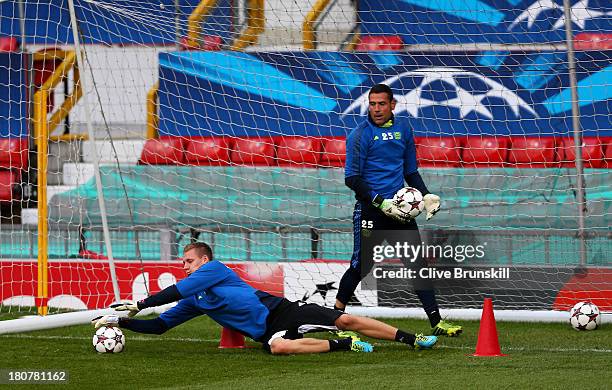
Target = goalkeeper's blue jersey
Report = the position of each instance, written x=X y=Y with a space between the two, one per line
x=382 y=156
x=217 y=291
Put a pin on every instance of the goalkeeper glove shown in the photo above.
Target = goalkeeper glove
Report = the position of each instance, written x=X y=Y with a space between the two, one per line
x=432 y=205
x=129 y=306
x=389 y=207
x=108 y=320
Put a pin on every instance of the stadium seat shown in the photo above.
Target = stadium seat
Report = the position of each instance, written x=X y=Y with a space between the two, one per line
x=207 y=42
x=592 y=152
x=438 y=151
x=533 y=152
x=13 y=153
x=606 y=144
x=8 y=44
x=485 y=151
x=208 y=151
x=253 y=151
x=333 y=152
x=298 y=151
x=163 y=151
x=8 y=179
x=380 y=42
x=593 y=41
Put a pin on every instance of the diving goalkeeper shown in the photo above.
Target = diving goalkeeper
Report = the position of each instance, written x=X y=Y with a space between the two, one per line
x=213 y=289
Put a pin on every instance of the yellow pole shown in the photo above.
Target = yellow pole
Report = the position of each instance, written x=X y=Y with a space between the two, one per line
x=152 y=114
x=194 y=23
x=42 y=138
x=256 y=24
x=308 y=33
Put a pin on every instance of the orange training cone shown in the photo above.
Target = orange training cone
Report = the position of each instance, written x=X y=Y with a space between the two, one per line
x=488 y=342
x=231 y=339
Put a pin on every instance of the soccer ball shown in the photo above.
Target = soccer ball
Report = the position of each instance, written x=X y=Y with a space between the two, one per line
x=108 y=339
x=585 y=316
x=410 y=201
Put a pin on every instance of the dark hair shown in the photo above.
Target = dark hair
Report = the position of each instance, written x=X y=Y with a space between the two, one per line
x=202 y=249
x=382 y=88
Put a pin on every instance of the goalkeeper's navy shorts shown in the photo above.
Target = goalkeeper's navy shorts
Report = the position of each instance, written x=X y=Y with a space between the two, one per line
x=371 y=227
x=291 y=320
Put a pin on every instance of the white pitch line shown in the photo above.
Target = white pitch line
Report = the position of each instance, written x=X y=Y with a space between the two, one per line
x=197 y=340
x=138 y=338
x=523 y=349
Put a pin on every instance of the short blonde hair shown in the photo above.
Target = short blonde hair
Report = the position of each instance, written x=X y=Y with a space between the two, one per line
x=202 y=249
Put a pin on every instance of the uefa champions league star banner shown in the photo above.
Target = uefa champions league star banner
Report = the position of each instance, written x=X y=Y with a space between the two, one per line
x=481 y=21
x=13 y=95
x=325 y=93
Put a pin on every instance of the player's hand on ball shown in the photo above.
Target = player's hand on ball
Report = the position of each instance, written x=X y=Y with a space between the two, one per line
x=129 y=306
x=108 y=320
x=390 y=208
x=432 y=204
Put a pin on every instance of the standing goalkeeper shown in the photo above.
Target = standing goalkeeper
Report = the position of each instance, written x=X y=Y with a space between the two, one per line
x=380 y=155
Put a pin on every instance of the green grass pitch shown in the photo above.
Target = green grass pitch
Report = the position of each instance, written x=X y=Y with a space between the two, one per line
x=539 y=356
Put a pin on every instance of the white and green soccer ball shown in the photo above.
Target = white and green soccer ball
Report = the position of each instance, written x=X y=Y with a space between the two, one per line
x=410 y=201
x=585 y=316
x=108 y=339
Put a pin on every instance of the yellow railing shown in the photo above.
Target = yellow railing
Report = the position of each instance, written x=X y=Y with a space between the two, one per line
x=152 y=112
x=194 y=23
x=256 y=22
x=40 y=115
x=41 y=123
x=308 y=27
x=43 y=126
x=352 y=44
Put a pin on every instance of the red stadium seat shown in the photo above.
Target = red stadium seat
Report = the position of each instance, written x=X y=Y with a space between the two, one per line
x=593 y=41
x=8 y=179
x=208 y=151
x=485 y=151
x=206 y=42
x=606 y=144
x=163 y=151
x=253 y=151
x=13 y=153
x=438 y=151
x=533 y=152
x=592 y=152
x=298 y=151
x=8 y=44
x=334 y=152
x=380 y=42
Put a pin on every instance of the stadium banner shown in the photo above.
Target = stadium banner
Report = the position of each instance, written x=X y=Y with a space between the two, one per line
x=325 y=93
x=71 y=282
x=481 y=21
x=13 y=95
x=545 y=288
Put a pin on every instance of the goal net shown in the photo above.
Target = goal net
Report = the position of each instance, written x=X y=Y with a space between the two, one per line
x=129 y=129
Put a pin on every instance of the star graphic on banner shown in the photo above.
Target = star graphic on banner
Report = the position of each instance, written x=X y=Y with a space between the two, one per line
x=321 y=289
x=463 y=100
x=580 y=13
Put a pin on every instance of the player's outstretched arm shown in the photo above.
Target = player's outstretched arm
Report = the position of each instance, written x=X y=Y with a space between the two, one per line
x=154 y=326
x=165 y=296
